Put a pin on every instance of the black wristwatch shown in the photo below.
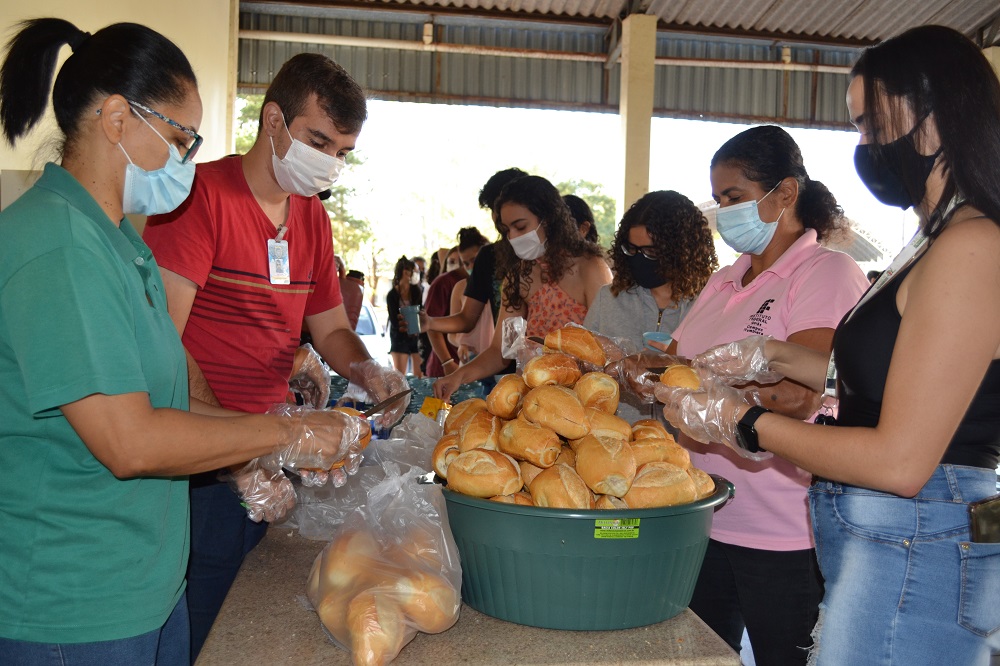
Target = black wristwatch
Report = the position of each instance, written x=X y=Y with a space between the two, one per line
x=746 y=433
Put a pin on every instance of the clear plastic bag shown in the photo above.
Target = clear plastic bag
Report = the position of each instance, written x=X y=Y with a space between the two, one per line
x=390 y=571
x=636 y=376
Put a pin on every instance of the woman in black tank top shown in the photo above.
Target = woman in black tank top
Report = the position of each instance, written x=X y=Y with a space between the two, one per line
x=917 y=436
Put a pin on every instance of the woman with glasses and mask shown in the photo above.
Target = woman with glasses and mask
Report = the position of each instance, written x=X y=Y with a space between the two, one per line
x=550 y=274
x=911 y=562
x=96 y=440
x=760 y=570
x=662 y=256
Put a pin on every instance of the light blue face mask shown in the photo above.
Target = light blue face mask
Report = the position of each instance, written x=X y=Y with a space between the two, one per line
x=742 y=229
x=158 y=191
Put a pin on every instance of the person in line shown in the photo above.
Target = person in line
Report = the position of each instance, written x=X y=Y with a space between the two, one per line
x=444 y=356
x=403 y=347
x=760 y=569
x=239 y=310
x=911 y=577
x=351 y=292
x=662 y=257
x=550 y=275
x=584 y=217
x=95 y=433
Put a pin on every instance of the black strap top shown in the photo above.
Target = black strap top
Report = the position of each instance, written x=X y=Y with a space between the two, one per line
x=863 y=349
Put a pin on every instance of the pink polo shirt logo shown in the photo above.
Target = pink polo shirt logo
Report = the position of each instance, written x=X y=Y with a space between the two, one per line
x=759 y=319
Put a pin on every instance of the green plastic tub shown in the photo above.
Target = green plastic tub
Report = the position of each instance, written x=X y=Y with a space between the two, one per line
x=581 y=570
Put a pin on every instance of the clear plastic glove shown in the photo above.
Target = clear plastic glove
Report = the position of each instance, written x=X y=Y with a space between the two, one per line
x=314 y=478
x=739 y=362
x=709 y=414
x=266 y=492
x=310 y=377
x=380 y=383
x=320 y=439
x=634 y=376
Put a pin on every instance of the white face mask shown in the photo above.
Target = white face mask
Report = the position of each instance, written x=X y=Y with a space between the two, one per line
x=450 y=265
x=415 y=278
x=528 y=246
x=305 y=170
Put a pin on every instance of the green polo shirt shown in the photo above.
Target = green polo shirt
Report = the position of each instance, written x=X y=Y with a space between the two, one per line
x=84 y=556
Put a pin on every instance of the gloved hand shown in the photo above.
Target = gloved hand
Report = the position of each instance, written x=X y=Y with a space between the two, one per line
x=739 y=362
x=380 y=383
x=319 y=439
x=347 y=467
x=709 y=414
x=266 y=492
x=314 y=478
x=634 y=376
x=310 y=377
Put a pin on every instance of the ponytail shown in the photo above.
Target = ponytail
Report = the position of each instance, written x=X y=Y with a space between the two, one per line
x=818 y=209
x=125 y=58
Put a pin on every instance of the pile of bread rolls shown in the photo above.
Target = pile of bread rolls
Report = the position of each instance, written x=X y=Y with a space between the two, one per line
x=373 y=600
x=550 y=438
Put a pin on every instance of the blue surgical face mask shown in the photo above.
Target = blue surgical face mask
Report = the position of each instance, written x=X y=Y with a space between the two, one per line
x=158 y=191
x=742 y=229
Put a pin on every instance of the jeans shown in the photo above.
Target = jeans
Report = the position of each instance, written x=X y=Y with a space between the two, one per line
x=903 y=583
x=221 y=536
x=166 y=646
x=775 y=595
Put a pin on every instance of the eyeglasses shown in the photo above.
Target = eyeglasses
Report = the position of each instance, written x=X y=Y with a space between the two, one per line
x=196 y=139
x=648 y=251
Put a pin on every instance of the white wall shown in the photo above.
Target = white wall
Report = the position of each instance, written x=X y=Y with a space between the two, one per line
x=204 y=29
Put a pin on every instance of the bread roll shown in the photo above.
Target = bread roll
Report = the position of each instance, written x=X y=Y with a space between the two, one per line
x=520 y=498
x=366 y=431
x=560 y=487
x=523 y=440
x=377 y=628
x=484 y=473
x=420 y=547
x=646 y=428
x=551 y=370
x=482 y=431
x=660 y=450
x=462 y=412
x=598 y=390
x=344 y=561
x=660 y=484
x=332 y=612
x=567 y=456
x=606 y=465
x=427 y=600
x=603 y=424
x=444 y=453
x=558 y=408
x=683 y=376
x=703 y=483
x=578 y=342
x=610 y=502
x=528 y=471
x=505 y=398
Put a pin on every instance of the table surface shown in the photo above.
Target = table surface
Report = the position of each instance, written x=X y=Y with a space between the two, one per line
x=266 y=620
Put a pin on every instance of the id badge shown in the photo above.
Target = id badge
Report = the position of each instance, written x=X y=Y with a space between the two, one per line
x=277 y=261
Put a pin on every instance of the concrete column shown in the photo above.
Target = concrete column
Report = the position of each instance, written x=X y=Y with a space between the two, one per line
x=636 y=104
x=992 y=54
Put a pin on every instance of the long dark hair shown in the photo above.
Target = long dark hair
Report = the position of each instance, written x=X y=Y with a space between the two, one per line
x=402 y=264
x=581 y=212
x=126 y=59
x=936 y=70
x=563 y=243
x=470 y=237
x=685 y=251
x=767 y=155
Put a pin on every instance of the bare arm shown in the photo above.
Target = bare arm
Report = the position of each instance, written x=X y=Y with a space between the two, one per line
x=596 y=275
x=789 y=397
x=440 y=347
x=335 y=341
x=132 y=439
x=461 y=322
x=455 y=307
x=804 y=364
x=934 y=373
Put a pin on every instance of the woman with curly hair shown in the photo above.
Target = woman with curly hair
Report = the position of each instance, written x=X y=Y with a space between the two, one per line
x=662 y=256
x=550 y=274
x=760 y=570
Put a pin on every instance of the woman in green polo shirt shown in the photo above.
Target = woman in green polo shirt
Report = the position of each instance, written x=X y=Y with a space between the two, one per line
x=96 y=440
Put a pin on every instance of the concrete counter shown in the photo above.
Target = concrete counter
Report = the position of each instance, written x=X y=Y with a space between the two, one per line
x=264 y=622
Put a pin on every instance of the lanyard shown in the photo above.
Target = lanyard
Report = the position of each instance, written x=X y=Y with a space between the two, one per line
x=902 y=260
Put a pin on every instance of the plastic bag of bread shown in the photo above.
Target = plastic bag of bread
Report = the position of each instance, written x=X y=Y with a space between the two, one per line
x=514 y=343
x=390 y=571
x=592 y=349
x=637 y=373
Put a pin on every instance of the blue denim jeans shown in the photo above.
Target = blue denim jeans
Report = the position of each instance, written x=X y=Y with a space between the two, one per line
x=903 y=583
x=166 y=646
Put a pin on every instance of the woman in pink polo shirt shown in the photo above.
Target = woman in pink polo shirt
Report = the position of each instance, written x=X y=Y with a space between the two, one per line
x=760 y=570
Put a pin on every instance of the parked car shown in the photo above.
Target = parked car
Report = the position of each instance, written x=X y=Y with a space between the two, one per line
x=372 y=333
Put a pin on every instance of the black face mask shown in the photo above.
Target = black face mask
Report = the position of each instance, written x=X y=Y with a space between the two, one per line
x=645 y=272
x=895 y=173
